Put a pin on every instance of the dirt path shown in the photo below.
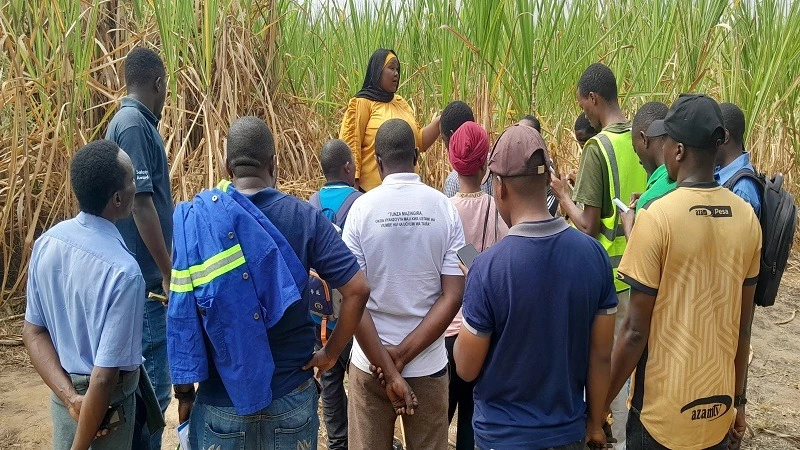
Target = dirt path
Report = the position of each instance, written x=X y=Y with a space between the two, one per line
x=773 y=394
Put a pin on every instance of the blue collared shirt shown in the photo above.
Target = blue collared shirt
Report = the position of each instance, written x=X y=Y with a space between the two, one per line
x=745 y=187
x=86 y=289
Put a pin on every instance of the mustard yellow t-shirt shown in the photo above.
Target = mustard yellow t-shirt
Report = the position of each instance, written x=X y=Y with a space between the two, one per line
x=359 y=127
x=692 y=249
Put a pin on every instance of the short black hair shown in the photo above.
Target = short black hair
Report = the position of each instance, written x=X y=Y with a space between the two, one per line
x=645 y=115
x=598 y=78
x=733 y=118
x=536 y=124
x=395 y=142
x=96 y=174
x=142 y=67
x=334 y=155
x=455 y=114
x=250 y=146
x=582 y=124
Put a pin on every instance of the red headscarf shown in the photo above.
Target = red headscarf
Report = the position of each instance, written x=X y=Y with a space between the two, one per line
x=468 y=149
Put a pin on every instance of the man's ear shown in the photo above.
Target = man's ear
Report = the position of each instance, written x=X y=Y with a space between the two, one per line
x=348 y=167
x=727 y=136
x=416 y=156
x=680 y=152
x=645 y=139
x=501 y=186
x=274 y=171
x=159 y=85
x=592 y=98
x=379 y=160
x=117 y=197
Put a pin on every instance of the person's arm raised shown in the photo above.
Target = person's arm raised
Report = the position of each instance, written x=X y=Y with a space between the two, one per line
x=434 y=323
x=587 y=219
x=430 y=134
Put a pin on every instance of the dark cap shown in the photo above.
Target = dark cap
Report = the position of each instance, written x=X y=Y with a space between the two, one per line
x=655 y=129
x=694 y=120
x=514 y=150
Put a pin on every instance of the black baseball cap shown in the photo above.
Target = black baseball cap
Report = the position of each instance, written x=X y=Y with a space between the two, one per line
x=694 y=120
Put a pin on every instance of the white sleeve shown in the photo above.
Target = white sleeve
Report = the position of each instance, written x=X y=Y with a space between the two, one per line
x=352 y=234
x=455 y=242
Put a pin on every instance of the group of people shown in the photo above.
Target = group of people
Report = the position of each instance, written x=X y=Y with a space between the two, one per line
x=533 y=344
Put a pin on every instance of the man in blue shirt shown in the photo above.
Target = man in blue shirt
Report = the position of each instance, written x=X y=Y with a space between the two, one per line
x=335 y=200
x=732 y=157
x=338 y=194
x=148 y=233
x=83 y=322
x=539 y=310
x=290 y=420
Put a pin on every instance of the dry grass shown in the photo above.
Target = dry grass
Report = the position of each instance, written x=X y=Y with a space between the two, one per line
x=52 y=104
x=61 y=77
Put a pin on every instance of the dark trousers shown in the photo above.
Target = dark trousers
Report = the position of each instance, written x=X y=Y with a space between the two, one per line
x=334 y=398
x=461 y=397
x=639 y=439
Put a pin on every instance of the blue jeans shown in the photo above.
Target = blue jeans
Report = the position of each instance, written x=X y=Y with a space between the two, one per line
x=288 y=423
x=154 y=350
x=122 y=397
x=334 y=399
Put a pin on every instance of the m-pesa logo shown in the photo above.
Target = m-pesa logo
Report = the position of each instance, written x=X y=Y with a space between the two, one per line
x=709 y=408
x=711 y=211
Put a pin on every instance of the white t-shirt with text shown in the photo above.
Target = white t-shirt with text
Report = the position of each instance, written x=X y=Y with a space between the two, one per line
x=405 y=236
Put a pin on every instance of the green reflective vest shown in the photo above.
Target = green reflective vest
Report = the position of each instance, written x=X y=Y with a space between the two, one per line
x=625 y=176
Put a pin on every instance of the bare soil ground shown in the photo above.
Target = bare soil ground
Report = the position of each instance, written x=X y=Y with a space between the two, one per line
x=773 y=393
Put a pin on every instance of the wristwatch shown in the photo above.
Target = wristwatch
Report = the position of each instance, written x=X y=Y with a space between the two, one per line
x=189 y=395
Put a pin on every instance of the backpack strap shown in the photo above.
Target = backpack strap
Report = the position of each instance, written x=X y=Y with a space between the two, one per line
x=314 y=200
x=341 y=215
x=612 y=159
x=745 y=173
x=486 y=225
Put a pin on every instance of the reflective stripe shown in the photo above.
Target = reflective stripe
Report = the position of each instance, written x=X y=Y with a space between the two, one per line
x=615 y=260
x=223 y=185
x=187 y=279
x=612 y=159
x=611 y=235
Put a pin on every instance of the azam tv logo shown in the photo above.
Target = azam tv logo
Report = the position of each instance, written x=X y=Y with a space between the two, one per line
x=709 y=408
x=711 y=211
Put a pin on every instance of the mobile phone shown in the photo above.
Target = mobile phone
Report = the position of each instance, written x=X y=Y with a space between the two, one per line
x=622 y=206
x=115 y=416
x=467 y=255
x=157 y=297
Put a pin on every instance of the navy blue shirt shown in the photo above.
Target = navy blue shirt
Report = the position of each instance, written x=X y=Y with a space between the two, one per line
x=134 y=129
x=317 y=244
x=536 y=294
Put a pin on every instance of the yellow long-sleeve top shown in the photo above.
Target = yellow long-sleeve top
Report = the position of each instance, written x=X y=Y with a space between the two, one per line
x=359 y=127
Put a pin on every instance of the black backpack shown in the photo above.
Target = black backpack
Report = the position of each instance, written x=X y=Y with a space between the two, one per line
x=778 y=222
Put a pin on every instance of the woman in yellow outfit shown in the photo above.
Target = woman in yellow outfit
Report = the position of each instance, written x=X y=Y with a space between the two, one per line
x=374 y=104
